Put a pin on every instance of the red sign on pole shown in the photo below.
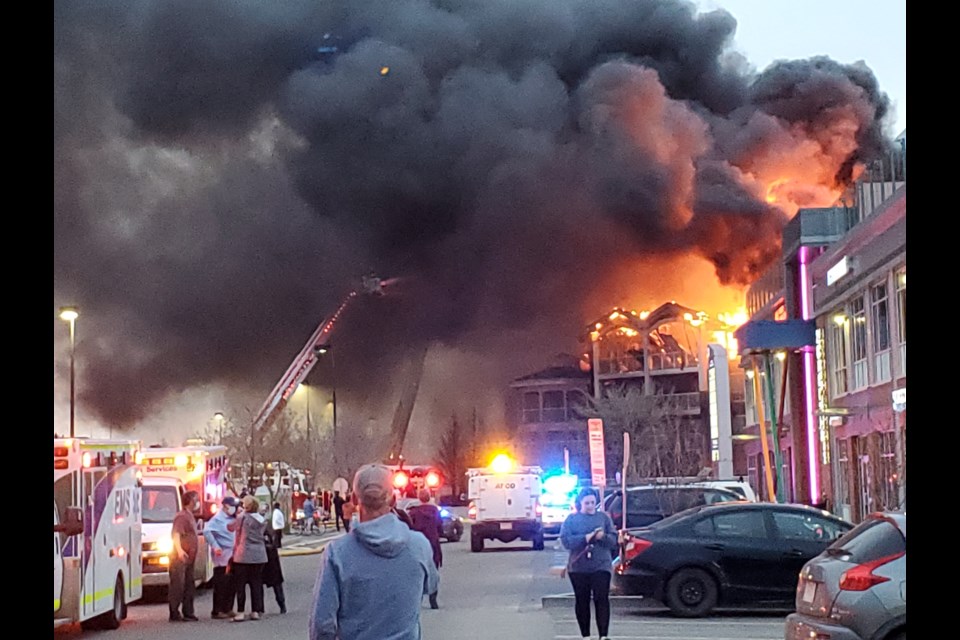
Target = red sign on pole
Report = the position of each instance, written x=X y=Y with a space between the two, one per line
x=598 y=466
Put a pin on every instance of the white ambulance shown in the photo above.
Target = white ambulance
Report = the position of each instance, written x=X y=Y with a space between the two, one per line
x=168 y=473
x=96 y=531
x=505 y=503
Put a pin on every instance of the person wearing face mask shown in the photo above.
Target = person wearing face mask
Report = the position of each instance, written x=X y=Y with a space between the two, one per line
x=182 y=589
x=591 y=538
x=221 y=542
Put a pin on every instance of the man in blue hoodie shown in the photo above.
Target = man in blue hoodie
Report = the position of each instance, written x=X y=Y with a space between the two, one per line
x=372 y=580
x=221 y=543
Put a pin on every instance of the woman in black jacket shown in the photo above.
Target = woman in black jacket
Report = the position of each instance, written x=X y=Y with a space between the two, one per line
x=272 y=571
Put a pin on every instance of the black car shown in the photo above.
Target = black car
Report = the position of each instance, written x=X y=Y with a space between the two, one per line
x=452 y=525
x=724 y=554
x=651 y=503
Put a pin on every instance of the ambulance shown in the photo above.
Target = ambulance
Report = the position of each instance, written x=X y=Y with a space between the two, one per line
x=168 y=473
x=96 y=531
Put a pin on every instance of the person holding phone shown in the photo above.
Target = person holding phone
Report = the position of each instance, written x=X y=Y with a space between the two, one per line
x=591 y=539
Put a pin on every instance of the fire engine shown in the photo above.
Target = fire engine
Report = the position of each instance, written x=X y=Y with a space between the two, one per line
x=96 y=531
x=408 y=480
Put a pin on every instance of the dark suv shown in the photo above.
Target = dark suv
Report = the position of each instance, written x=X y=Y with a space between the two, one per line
x=651 y=503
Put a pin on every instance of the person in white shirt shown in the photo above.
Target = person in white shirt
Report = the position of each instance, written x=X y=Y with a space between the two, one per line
x=279 y=522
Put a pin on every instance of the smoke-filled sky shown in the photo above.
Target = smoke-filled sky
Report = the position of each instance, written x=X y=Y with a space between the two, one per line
x=224 y=173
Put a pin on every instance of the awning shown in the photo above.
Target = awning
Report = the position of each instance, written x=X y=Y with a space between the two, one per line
x=770 y=335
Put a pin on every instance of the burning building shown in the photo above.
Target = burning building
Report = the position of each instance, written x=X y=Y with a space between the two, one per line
x=668 y=356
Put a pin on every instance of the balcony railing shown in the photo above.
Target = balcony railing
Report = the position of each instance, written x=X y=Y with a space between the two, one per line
x=659 y=361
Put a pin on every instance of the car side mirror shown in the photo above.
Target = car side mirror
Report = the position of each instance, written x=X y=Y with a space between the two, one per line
x=72 y=522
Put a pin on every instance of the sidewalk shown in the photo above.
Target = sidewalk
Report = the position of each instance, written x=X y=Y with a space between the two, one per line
x=294 y=545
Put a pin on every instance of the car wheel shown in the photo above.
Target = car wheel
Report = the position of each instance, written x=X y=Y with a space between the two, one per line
x=111 y=619
x=691 y=593
x=476 y=543
x=455 y=535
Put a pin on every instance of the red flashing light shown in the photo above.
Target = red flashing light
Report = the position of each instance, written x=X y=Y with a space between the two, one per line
x=433 y=479
x=401 y=479
x=861 y=577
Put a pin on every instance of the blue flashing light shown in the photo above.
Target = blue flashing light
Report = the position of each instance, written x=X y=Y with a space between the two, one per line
x=560 y=484
x=444 y=513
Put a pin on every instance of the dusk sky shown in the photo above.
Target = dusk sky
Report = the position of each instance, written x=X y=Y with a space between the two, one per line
x=874 y=31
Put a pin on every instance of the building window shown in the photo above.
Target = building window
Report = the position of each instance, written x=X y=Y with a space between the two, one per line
x=880 y=317
x=837 y=348
x=901 y=284
x=553 y=410
x=858 y=341
x=531 y=407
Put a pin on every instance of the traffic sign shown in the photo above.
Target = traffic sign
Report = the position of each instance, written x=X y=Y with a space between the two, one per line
x=598 y=468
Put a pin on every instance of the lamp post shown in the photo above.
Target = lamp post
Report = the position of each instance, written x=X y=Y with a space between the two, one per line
x=219 y=416
x=321 y=349
x=69 y=315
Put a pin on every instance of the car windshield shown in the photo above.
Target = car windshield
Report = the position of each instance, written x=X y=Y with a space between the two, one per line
x=160 y=504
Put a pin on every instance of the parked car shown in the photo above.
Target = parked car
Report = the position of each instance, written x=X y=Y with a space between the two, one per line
x=743 y=489
x=857 y=588
x=650 y=503
x=724 y=554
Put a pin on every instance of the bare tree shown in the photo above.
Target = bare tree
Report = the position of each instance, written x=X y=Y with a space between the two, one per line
x=457 y=452
x=662 y=442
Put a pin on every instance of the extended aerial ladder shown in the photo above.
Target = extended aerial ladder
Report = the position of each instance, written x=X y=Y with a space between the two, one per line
x=401 y=416
x=307 y=358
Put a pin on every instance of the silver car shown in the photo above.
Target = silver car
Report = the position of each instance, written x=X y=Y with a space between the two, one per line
x=857 y=588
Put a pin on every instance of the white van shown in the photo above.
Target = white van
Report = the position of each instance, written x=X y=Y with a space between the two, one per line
x=162 y=500
x=737 y=486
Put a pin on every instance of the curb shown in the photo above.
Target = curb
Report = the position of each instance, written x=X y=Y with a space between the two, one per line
x=617 y=603
x=284 y=553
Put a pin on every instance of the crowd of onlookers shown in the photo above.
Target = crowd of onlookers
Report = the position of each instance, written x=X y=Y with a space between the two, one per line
x=400 y=545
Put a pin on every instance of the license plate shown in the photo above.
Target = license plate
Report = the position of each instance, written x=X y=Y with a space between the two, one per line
x=506 y=525
x=809 y=592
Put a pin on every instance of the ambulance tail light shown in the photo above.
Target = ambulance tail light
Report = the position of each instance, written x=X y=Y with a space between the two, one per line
x=87 y=459
x=401 y=479
x=433 y=479
x=472 y=512
x=61 y=452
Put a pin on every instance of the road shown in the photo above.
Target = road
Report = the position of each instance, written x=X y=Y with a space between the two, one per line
x=497 y=594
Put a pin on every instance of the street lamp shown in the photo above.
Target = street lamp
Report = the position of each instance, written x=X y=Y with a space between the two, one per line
x=219 y=416
x=321 y=349
x=69 y=315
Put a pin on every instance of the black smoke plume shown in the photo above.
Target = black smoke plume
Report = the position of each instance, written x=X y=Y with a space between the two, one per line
x=225 y=172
